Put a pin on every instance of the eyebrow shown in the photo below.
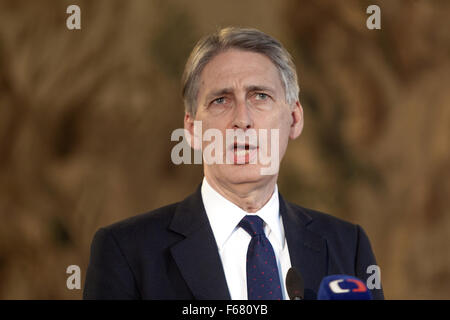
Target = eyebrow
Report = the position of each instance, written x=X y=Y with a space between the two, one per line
x=219 y=92
x=260 y=88
x=226 y=91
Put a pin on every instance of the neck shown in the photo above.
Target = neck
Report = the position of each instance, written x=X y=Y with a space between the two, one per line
x=250 y=197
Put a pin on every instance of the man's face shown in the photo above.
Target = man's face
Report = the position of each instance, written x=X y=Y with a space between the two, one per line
x=243 y=90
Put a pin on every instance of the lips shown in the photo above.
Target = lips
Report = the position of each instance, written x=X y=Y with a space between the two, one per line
x=244 y=146
x=242 y=153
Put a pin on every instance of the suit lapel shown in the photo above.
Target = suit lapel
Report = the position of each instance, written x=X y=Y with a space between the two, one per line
x=198 y=259
x=307 y=250
x=197 y=255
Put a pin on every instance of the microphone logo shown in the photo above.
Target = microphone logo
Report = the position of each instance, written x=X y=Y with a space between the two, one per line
x=336 y=287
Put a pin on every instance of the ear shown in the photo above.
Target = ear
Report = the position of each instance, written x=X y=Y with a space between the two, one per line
x=191 y=130
x=297 y=121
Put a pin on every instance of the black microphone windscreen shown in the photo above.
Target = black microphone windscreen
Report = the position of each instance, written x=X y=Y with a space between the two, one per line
x=294 y=284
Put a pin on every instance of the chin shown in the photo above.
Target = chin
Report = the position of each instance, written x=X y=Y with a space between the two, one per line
x=241 y=174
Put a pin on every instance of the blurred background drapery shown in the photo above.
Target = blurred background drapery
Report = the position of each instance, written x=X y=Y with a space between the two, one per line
x=86 y=118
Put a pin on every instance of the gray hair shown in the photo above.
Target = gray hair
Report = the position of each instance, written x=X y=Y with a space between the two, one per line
x=237 y=38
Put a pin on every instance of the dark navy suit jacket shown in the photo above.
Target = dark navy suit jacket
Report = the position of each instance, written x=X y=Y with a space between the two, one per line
x=171 y=253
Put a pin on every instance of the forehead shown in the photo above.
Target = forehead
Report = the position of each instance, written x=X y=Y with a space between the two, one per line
x=234 y=68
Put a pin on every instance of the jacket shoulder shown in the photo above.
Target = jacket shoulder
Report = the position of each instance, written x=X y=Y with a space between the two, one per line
x=144 y=226
x=324 y=222
x=341 y=236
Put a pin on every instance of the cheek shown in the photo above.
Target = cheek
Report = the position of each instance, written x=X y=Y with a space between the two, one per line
x=212 y=122
x=281 y=122
x=283 y=125
x=210 y=131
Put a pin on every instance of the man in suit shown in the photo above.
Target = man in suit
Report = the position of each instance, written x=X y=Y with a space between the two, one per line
x=235 y=237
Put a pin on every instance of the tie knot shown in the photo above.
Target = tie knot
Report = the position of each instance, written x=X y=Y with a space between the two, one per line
x=253 y=224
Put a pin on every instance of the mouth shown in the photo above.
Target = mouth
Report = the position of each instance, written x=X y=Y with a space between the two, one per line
x=242 y=153
x=242 y=149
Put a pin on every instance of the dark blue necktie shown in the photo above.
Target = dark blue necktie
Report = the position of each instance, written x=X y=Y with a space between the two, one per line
x=263 y=281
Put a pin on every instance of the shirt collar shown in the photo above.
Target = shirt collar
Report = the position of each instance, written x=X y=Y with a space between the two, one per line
x=224 y=216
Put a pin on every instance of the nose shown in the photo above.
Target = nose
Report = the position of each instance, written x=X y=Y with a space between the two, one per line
x=242 y=118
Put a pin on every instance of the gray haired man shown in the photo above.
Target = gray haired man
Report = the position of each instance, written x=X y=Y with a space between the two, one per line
x=235 y=237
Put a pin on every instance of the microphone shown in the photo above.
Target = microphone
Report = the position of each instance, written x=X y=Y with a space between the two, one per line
x=294 y=284
x=343 y=287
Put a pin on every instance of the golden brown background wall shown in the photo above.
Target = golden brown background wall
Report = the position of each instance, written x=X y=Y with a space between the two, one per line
x=86 y=118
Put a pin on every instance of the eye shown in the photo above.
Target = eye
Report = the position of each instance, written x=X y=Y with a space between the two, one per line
x=261 y=96
x=220 y=100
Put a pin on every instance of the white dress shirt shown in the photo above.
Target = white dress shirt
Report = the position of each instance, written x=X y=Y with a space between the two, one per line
x=232 y=241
